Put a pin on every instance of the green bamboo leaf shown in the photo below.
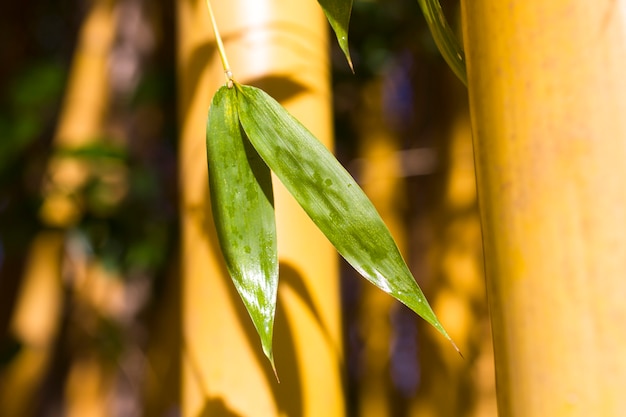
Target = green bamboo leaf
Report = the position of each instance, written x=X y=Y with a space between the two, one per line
x=444 y=37
x=338 y=15
x=243 y=211
x=330 y=196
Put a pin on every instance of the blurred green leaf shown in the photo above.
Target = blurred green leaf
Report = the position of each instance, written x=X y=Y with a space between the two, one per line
x=37 y=86
x=243 y=210
x=330 y=196
x=338 y=15
x=147 y=252
x=26 y=109
x=99 y=149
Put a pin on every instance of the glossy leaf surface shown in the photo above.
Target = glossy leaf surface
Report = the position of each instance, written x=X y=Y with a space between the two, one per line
x=338 y=15
x=330 y=196
x=241 y=199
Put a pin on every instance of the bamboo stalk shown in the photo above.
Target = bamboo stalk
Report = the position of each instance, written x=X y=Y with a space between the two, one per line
x=224 y=370
x=383 y=183
x=548 y=98
x=38 y=309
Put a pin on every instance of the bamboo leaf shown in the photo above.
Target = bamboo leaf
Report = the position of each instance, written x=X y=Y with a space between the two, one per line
x=241 y=198
x=338 y=15
x=444 y=38
x=330 y=196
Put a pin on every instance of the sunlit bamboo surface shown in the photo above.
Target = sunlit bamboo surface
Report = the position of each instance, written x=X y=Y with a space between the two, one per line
x=224 y=370
x=548 y=95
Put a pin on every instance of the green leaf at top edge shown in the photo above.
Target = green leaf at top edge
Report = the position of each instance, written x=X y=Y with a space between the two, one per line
x=444 y=37
x=330 y=197
x=243 y=210
x=338 y=15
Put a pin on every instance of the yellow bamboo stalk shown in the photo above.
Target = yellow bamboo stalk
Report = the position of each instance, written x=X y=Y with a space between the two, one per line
x=86 y=388
x=451 y=386
x=38 y=309
x=281 y=45
x=548 y=98
x=90 y=380
x=84 y=108
x=382 y=181
x=34 y=324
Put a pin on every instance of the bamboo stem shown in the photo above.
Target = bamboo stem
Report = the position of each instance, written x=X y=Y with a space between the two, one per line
x=220 y=46
x=548 y=95
x=224 y=371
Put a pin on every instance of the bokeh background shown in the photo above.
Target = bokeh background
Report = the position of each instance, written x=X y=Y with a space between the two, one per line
x=92 y=198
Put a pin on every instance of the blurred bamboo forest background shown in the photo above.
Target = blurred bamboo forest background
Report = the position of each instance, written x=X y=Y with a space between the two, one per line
x=89 y=216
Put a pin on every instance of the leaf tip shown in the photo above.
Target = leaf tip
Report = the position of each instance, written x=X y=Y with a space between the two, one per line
x=275 y=371
x=343 y=44
x=437 y=325
x=456 y=348
x=269 y=354
x=270 y=357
